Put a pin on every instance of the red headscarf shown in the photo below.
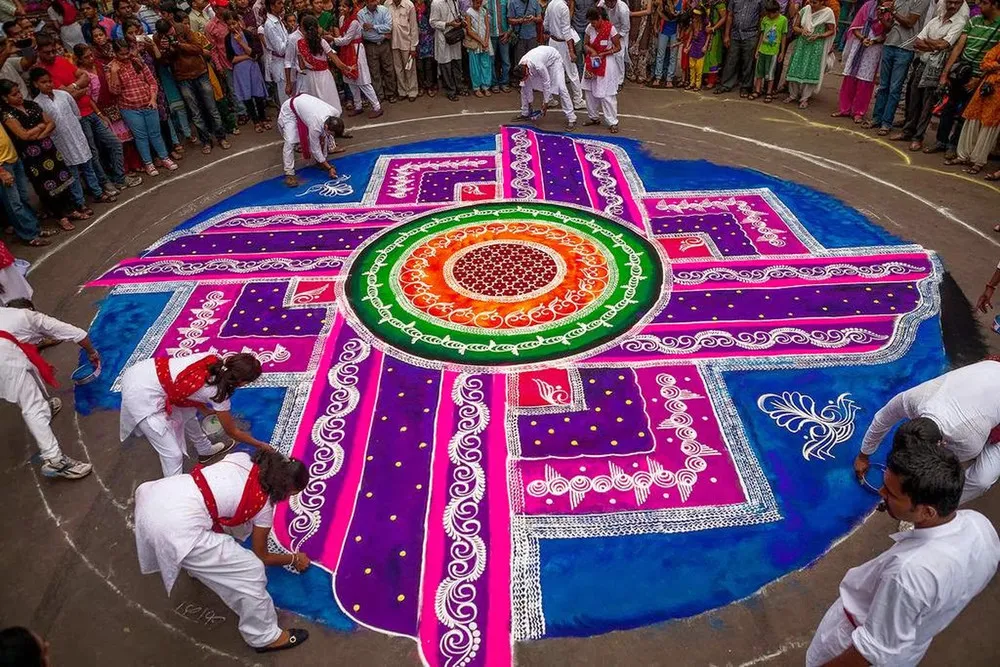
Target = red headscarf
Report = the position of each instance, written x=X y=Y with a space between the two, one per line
x=188 y=381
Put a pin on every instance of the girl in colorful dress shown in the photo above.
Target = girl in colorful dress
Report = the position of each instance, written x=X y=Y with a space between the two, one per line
x=695 y=48
x=314 y=61
x=815 y=25
x=248 y=82
x=31 y=131
x=479 y=47
x=667 y=46
x=426 y=65
x=715 y=11
x=600 y=78
x=862 y=56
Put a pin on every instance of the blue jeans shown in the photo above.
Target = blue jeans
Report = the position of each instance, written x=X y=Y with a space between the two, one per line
x=104 y=142
x=145 y=126
x=16 y=206
x=200 y=100
x=84 y=173
x=666 y=54
x=501 y=54
x=895 y=65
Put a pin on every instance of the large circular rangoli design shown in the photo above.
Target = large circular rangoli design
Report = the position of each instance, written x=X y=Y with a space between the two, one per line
x=545 y=385
x=501 y=284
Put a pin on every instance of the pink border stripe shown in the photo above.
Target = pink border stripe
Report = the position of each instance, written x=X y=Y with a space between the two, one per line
x=776 y=322
x=536 y=162
x=625 y=192
x=308 y=417
x=434 y=546
x=800 y=350
x=506 y=173
x=588 y=177
x=498 y=640
x=355 y=458
x=270 y=229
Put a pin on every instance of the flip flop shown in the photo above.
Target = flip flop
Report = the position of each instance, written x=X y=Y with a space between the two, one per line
x=995 y=176
x=296 y=636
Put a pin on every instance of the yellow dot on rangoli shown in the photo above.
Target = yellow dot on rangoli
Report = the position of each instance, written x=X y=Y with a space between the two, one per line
x=552 y=431
x=642 y=434
x=694 y=307
x=566 y=419
x=619 y=419
x=876 y=300
x=384 y=418
x=392 y=517
x=889 y=295
x=400 y=598
x=597 y=409
x=729 y=305
x=357 y=538
x=628 y=401
x=368 y=570
x=369 y=494
x=868 y=289
x=591 y=380
x=399 y=464
x=593 y=428
x=614 y=443
x=574 y=443
x=256 y=319
x=402 y=394
x=356 y=607
x=534 y=423
x=422 y=445
x=621 y=377
x=825 y=308
x=388 y=370
x=402 y=429
x=419 y=486
x=265 y=329
x=402 y=554
x=370 y=457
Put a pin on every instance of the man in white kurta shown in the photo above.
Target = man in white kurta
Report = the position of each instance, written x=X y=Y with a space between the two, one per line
x=621 y=19
x=173 y=531
x=965 y=405
x=144 y=402
x=275 y=38
x=891 y=607
x=315 y=114
x=446 y=14
x=563 y=39
x=21 y=384
x=546 y=73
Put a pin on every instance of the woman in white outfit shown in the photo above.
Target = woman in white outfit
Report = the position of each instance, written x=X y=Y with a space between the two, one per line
x=352 y=54
x=161 y=398
x=179 y=524
x=601 y=43
x=314 y=63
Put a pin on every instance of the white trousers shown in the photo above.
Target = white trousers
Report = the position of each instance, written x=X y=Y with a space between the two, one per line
x=25 y=389
x=833 y=636
x=977 y=141
x=572 y=73
x=367 y=90
x=237 y=576
x=528 y=96
x=801 y=91
x=603 y=105
x=181 y=425
x=982 y=474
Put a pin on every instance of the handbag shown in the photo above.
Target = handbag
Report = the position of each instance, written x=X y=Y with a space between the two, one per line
x=455 y=34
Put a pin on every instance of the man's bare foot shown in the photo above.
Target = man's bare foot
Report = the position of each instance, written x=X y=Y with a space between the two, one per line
x=292 y=181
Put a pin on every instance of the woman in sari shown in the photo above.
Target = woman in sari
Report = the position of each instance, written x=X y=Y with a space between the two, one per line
x=31 y=130
x=815 y=25
x=862 y=56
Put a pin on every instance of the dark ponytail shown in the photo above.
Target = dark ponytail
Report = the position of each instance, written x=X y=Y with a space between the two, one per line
x=227 y=374
x=280 y=477
x=310 y=32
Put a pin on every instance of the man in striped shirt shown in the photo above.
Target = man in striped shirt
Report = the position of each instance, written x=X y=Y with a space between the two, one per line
x=980 y=35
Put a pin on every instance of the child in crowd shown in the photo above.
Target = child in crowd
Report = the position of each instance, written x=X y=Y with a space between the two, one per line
x=291 y=22
x=69 y=138
x=248 y=82
x=667 y=47
x=479 y=47
x=426 y=65
x=770 y=49
x=697 y=41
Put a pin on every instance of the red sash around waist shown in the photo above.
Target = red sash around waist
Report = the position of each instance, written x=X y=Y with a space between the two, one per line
x=44 y=368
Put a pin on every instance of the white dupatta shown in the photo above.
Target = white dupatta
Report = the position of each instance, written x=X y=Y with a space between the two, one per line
x=811 y=22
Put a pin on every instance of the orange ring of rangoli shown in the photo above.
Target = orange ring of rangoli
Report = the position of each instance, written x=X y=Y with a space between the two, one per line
x=574 y=274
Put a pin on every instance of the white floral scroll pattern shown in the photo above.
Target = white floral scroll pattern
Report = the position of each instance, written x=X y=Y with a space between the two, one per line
x=401 y=179
x=342 y=217
x=337 y=187
x=327 y=434
x=182 y=267
x=750 y=217
x=278 y=354
x=827 y=427
x=783 y=272
x=194 y=332
x=751 y=340
x=608 y=185
x=521 y=166
x=455 y=599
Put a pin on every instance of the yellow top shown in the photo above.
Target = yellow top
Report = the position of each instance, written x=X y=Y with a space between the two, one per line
x=7 y=153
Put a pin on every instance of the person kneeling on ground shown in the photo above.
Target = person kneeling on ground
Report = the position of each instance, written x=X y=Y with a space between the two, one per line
x=311 y=124
x=179 y=525
x=891 y=607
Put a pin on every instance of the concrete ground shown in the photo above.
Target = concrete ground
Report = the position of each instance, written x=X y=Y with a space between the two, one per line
x=70 y=567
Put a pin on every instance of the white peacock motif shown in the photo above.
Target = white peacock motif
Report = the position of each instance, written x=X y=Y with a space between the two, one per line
x=337 y=187
x=827 y=427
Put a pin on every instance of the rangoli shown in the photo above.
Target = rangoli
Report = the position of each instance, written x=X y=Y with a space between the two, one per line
x=542 y=386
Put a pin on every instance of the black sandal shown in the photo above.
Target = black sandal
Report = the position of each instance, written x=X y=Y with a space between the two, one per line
x=296 y=637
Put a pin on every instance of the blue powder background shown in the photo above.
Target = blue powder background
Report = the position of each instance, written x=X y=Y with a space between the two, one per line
x=596 y=585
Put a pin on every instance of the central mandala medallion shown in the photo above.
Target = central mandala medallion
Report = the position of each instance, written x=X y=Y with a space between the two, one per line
x=503 y=284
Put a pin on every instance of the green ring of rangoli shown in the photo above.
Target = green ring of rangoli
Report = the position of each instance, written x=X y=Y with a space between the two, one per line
x=373 y=297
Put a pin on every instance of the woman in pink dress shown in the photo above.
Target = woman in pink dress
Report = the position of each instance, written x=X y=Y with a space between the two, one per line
x=862 y=56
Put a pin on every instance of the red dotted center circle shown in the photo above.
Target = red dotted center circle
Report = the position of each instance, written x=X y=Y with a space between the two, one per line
x=504 y=270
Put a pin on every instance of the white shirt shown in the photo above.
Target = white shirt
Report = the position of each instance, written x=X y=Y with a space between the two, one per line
x=170 y=514
x=275 y=37
x=908 y=594
x=964 y=403
x=68 y=135
x=544 y=67
x=30 y=327
x=940 y=28
x=313 y=112
x=143 y=395
x=13 y=70
x=442 y=13
x=557 y=21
